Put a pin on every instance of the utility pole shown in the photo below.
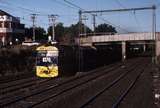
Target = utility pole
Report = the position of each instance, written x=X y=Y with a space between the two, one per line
x=79 y=42
x=52 y=19
x=85 y=29
x=154 y=35
x=33 y=17
x=80 y=23
x=94 y=22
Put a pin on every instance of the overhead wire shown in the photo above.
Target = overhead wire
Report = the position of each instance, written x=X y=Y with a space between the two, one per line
x=24 y=19
x=114 y=25
x=133 y=13
x=120 y=4
x=24 y=8
x=137 y=21
x=92 y=14
x=80 y=52
x=39 y=13
x=62 y=3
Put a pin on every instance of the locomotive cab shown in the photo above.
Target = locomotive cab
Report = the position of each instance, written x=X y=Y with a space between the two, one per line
x=47 y=61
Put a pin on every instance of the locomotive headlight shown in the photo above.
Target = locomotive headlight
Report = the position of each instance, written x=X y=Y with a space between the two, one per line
x=50 y=67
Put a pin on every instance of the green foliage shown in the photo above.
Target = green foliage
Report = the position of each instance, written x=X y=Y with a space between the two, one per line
x=67 y=33
x=59 y=31
x=105 y=28
x=40 y=33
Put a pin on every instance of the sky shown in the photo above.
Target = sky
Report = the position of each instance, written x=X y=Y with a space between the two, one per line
x=138 y=21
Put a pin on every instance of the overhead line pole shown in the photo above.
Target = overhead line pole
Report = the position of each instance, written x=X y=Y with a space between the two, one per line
x=33 y=17
x=154 y=36
x=52 y=18
x=79 y=41
x=155 y=53
x=94 y=23
x=120 y=10
x=91 y=14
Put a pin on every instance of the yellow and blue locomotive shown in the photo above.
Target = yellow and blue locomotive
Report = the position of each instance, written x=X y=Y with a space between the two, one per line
x=47 y=61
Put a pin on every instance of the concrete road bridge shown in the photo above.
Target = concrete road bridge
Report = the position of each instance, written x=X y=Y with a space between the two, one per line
x=135 y=38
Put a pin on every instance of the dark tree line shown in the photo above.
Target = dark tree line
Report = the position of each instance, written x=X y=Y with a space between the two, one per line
x=105 y=28
x=40 y=33
x=67 y=34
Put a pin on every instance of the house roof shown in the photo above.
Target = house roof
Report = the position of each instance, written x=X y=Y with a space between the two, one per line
x=4 y=13
x=13 y=17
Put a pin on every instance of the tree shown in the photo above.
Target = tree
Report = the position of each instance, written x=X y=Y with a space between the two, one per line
x=59 y=31
x=105 y=28
x=74 y=29
x=67 y=34
x=40 y=33
x=28 y=32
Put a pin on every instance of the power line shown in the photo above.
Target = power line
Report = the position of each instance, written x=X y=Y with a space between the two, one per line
x=119 y=3
x=18 y=7
x=114 y=25
x=26 y=9
x=64 y=4
x=30 y=11
x=93 y=14
x=73 y=4
x=121 y=10
x=136 y=20
x=39 y=13
x=134 y=14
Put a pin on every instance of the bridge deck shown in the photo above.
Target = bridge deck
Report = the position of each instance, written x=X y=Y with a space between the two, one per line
x=120 y=37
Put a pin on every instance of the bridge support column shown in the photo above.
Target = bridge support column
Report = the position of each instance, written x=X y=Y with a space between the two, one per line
x=144 y=47
x=123 y=50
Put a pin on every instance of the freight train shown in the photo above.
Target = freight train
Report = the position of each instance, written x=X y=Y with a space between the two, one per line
x=67 y=60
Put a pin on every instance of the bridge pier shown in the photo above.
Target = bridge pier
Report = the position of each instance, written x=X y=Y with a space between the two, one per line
x=144 y=47
x=123 y=50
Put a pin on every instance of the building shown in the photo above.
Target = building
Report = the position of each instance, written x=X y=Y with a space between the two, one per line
x=11 y=30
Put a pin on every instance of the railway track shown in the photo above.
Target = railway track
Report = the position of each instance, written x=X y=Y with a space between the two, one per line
x=156 y=86
x=9 y=100
x=18 y=84
x=27 y=82
x=41 y=97
x=11 y=78
x=112 y=84
x=117 y=89
x=140 y=95
x=10 y=89
x=78 y=98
